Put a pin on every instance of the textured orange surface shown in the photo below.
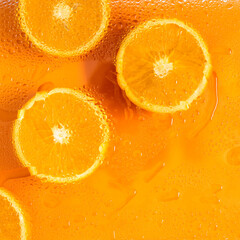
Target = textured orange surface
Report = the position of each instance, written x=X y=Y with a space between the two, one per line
x=166 y=177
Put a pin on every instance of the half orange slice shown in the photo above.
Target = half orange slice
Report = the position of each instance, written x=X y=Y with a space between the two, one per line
x=163 y=65
x=61 y=136
x=64 y=28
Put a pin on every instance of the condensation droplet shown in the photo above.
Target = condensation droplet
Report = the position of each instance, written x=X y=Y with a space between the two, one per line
x=233 y=156
x=216 y=188
x=48 y=86
x=167 y=195
x=210 y=199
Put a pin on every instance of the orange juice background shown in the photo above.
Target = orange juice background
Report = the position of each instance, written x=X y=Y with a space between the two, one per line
x=166 y=177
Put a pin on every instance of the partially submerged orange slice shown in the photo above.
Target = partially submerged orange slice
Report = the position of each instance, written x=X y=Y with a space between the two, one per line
x=12 y=217
x=62 y=135
x=163 y=66
x=64 y=28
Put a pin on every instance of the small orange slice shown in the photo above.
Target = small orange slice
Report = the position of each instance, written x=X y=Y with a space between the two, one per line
x=13 y=224
x=62 y=135
x=163 y=66
x=64 y=28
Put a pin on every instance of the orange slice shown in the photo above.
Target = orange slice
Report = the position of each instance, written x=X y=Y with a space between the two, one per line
x=163 y=66
x=62 y=135
x=13 y=222
x=64 y=28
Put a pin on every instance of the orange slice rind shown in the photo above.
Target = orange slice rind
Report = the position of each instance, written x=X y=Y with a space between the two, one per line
x=64 y=28
x=11 y=211
x=61 y=135
x=163 y=65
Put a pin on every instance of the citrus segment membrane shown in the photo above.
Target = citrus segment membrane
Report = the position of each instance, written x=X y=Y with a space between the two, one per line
x=62 y=135
x=64 y=28
x=163 y=66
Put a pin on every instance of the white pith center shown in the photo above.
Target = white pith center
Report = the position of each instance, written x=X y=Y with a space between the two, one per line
x=63 y=12
x=61 y=134
x=162 y=67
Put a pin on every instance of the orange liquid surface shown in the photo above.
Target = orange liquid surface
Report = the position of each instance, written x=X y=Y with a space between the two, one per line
x=165 y=177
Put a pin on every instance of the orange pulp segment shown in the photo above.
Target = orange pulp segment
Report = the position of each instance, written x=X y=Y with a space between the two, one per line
x=163 y=65
x=13 y=223
x=64 y=28
x=62 y=136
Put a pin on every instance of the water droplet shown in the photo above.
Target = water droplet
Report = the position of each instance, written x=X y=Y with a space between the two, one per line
x=216 y=188
x=233 y=156
x=48 y=86
x=210 y=199
x=166 y=195
x=79 y=218
x=229 y=6
x=67 y=224
x=223 y=51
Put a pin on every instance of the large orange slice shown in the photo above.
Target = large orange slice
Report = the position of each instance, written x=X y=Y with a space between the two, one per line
x=64 y=28
x=62 y=135
x=163 y=65
x=13 y=225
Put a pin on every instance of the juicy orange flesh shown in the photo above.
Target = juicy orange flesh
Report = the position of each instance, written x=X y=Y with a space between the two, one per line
x=9 y=221
x=62 y=25
x=166 y=83
x=47 y=122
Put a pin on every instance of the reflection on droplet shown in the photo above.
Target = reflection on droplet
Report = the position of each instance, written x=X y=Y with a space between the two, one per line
x=150 y=176
x=210 y=199
x=233 y=156
x=80 y=218
x=216 y=188
x=223 y=51
x=67 y=224
x=128 y=200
